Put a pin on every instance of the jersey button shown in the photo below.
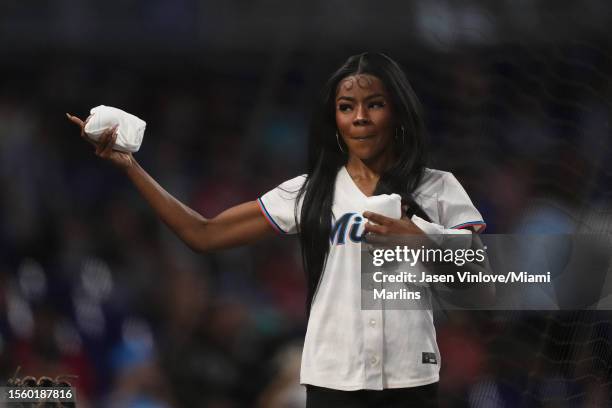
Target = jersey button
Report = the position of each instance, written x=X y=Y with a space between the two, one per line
x=372 y=322
x=373 y=360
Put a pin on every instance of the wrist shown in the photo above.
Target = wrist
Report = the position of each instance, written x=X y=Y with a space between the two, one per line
x=130 y=165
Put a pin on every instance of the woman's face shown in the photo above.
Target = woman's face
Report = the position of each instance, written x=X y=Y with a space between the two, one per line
x=364 y=116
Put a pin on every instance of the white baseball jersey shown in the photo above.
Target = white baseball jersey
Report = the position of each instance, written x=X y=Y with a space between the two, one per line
x=347 y=348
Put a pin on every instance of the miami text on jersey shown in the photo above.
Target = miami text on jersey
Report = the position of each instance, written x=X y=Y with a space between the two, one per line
x=349 y=226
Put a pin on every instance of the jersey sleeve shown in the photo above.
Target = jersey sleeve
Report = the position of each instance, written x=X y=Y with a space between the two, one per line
x=278 y=205
x=455 y=207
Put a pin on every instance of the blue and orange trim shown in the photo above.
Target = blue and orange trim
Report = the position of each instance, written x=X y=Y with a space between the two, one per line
x=266 y=214
x=471 y=224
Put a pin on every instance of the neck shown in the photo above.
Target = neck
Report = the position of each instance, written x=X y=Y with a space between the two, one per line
x=368 y=169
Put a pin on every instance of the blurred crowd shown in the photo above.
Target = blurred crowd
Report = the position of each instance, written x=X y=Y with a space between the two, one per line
x=93 y=285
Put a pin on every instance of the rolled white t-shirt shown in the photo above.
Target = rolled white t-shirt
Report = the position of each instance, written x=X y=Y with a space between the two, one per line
x=389 y=205
x=129 y=133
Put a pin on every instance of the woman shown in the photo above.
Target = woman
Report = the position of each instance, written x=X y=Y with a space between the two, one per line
x=366 y=139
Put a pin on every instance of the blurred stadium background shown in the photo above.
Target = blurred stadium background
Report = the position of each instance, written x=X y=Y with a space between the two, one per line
x=517 y=96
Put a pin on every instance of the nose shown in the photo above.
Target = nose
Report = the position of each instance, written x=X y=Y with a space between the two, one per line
x=361 y=116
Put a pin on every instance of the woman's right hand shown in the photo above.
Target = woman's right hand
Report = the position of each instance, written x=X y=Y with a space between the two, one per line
x=239 y=225
x=104 y=146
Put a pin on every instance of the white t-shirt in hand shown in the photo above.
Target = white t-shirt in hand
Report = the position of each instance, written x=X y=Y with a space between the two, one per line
x=130 y=128
x=347 y=348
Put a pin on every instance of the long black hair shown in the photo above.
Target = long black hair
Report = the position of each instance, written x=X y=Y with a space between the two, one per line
x=325 y=159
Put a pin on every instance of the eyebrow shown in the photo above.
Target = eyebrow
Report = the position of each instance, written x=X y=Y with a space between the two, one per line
x=351 y=99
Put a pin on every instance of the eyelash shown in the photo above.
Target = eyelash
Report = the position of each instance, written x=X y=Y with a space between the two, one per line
x=345 y=107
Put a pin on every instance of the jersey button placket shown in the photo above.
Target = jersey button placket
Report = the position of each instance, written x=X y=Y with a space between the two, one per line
x=373 y=350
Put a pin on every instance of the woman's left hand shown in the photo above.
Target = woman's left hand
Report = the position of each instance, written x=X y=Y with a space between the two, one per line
x=381 y=225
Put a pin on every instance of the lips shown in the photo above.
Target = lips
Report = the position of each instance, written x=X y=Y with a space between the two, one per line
x=363 y=138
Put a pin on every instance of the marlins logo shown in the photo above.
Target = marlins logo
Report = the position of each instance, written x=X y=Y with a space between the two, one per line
x=349 y=226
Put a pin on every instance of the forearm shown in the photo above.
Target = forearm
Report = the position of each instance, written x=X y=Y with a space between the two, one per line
x=185 y=222
x=238 y=225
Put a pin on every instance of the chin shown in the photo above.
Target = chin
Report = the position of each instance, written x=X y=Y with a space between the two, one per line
x=366 y=155
x=367 y=158
x=369 y=151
